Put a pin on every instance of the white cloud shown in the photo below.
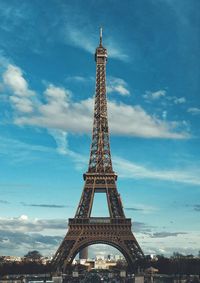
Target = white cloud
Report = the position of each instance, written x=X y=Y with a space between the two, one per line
x=164 y=115
x=23 y=217
x=150 y=96
x=58 y=111
x=154 y=95
x=179 y=100
x=194 y=110
x=13 y=77
x=117 y=85
x=123 y=119
x=57 y=100
x=21 y=94
x=22 y=104
x=129 y=169
x=60 y=138
x=134 y=120
x=175 y=100
x=57 y=94
x=77 y=117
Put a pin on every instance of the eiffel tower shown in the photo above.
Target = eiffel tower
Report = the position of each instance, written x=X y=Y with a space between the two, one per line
x=84 y=230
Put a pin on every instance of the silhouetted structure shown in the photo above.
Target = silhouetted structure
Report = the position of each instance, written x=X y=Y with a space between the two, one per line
x=83 y=253
x=85 y=230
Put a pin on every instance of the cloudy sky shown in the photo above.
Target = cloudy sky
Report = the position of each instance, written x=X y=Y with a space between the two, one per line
x=47 y=83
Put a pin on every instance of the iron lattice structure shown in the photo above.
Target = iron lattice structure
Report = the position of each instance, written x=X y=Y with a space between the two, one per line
x=84 y=230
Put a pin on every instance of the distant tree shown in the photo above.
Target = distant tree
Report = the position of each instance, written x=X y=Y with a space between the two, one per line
x=33 y=255
x=121 y=264
x=160 y=256
x=189 y=256
x=177 y=255
x=79 y=267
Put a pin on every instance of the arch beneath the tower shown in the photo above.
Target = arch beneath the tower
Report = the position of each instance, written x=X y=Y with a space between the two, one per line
x=130 y=259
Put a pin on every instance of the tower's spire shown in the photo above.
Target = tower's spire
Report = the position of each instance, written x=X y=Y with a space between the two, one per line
x=101 y=35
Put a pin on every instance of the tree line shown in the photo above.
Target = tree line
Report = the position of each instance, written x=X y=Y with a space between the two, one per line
x=177 y=264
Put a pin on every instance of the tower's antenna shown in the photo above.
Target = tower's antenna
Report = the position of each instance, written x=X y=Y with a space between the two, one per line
x=101 y=35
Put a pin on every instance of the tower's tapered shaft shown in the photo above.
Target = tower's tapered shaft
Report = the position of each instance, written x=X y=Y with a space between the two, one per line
x=100 y=157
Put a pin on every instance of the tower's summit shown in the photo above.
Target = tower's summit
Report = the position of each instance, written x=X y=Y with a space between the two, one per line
x=101 y=52
x=101 y=36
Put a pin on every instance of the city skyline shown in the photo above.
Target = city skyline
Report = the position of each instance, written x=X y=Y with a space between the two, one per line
x=47 y=84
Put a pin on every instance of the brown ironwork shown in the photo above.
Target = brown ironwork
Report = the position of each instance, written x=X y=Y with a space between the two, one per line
x=84 y=230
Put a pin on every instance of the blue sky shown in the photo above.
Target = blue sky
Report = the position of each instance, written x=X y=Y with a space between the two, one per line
x=47 y=83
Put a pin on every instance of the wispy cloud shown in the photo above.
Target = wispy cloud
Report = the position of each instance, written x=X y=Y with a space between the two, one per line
x=197 y=207
x=44 y=205
x=162 y=95
x=125 y=168
x=142 y=208
x=18 y=151
x=133 y=208
x=12 y=16
x=4 y=201
x=80 y=79
x=61 y=140
x=194 y=110
x=179 y=100
x=129 y=169
x=166 y=234
x=87 y=39
x=154 y=95
x=117 y=85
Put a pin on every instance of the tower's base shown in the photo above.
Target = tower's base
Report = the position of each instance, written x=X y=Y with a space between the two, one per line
x=83 y=232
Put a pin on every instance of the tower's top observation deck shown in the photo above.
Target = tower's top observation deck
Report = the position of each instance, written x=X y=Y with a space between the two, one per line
x=101 y=52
